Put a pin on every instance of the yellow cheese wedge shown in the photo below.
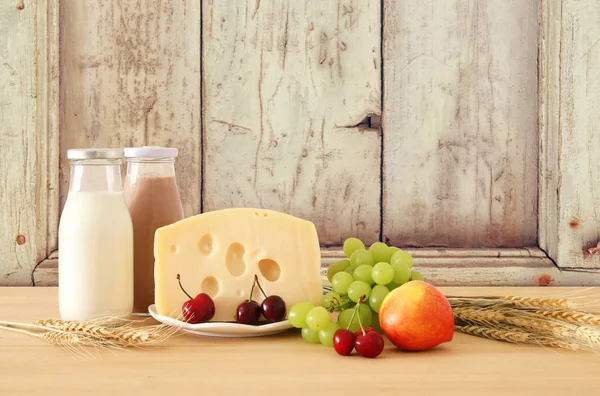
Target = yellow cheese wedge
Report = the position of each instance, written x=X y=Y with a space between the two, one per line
x=219 y=253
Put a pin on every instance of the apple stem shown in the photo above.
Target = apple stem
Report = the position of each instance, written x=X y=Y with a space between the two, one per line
x=179 y=280
x=259 y=286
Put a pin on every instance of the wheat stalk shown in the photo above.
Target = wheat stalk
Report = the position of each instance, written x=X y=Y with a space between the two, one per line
x=575 y=317
x=538 y=302
x=514 y=336
x=98 y=333
x=125 y=335
x=478 y=316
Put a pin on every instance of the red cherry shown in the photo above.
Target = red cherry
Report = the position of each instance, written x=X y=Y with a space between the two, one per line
x=248 y=313
x=343 y=342
x=273 y=308
x=199 y=310
x=368 y=329
x=369 y=345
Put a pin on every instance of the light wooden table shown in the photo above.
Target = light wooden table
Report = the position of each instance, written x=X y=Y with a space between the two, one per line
x=284 y=364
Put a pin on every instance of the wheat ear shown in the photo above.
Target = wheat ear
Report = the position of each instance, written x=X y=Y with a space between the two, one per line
x=574 y=317
x=538 y=302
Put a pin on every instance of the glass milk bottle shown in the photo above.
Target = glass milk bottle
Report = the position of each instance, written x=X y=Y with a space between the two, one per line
x=95 y=239
x=153 y=200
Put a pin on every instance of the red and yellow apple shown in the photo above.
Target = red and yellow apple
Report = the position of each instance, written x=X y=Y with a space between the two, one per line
x=416 y=316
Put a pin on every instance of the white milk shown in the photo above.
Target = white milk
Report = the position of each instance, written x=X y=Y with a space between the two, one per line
x=96 y=256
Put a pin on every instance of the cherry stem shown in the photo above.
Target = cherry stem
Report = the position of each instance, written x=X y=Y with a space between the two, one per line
x=252 y=289
x=179 y=280
x=360 y=301
x=352 y=318
x=259 y=286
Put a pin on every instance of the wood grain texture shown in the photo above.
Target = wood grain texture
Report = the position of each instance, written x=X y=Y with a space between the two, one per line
x=28 y=139
x=570 y=122
x=283 y=85
x=447 y=267
x=131 y=76
x=460 y=123
x=288 y=365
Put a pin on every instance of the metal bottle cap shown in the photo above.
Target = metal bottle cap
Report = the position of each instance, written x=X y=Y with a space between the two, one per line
x=95 y=153
x=151 y=152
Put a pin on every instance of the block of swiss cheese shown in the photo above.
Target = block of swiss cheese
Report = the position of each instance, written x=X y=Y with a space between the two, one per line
x=219 y=253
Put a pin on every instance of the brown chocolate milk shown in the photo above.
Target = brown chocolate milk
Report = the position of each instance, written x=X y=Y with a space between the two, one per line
x=153 y=202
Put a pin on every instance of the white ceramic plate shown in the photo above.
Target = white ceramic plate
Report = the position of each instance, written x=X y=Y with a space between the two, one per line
x=222 y=329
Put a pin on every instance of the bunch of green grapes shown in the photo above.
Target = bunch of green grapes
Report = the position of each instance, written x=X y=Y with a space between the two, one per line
x=368 y=274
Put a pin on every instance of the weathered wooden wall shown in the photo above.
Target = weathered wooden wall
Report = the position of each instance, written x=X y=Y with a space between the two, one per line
x=570 y=131
x=284 y=82
x=267 y=102
x=460 y=123
x=28 y=177
x=130 y=75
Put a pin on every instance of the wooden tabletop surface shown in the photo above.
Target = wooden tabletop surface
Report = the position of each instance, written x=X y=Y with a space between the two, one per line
x=285 y=364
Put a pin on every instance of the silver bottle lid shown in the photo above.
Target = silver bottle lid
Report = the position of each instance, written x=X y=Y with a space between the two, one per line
x=95 y=153
x=151 y=152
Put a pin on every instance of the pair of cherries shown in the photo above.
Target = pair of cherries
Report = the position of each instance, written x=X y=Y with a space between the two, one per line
x=272 y=308
x=366 y=340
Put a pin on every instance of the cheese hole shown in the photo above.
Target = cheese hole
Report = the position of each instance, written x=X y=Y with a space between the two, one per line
x=210 y=286
x=174 y=248
x=235 y=259
x=269 y=269
x=264 y=214
x=206 y=244
x=239 y=292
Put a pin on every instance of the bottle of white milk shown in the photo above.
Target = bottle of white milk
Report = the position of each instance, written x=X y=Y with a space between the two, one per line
x=95 y=237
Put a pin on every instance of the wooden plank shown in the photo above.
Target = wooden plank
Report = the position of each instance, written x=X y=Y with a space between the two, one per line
x=131 y=76
x=284 y=84
x=569 y=119
x=448 y=267
x=548 y=120
x=460 y=123
x=28 y=139
x=467 y=365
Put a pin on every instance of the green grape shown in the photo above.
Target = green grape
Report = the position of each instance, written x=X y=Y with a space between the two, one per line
x=358 y=289
x=298 y=312
x=382 y=273
x=311 y=336
x=317 y=318
x=344 y=320
x=416 y=275
x=401 y=273
x=331 y=297
x=380 y=252
x=340 y=282
x=361 y=257
x=391 y=251
x=378 y=293
x=391 y=286
x=366 y=314
x=349 y=270
x=336 y=267
x=402 y=257
x=351 y=245
x=326 y=334
x=363 y=273
x=366 y=317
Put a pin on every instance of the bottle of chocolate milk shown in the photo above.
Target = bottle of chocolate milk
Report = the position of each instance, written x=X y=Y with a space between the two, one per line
x=153 y=199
